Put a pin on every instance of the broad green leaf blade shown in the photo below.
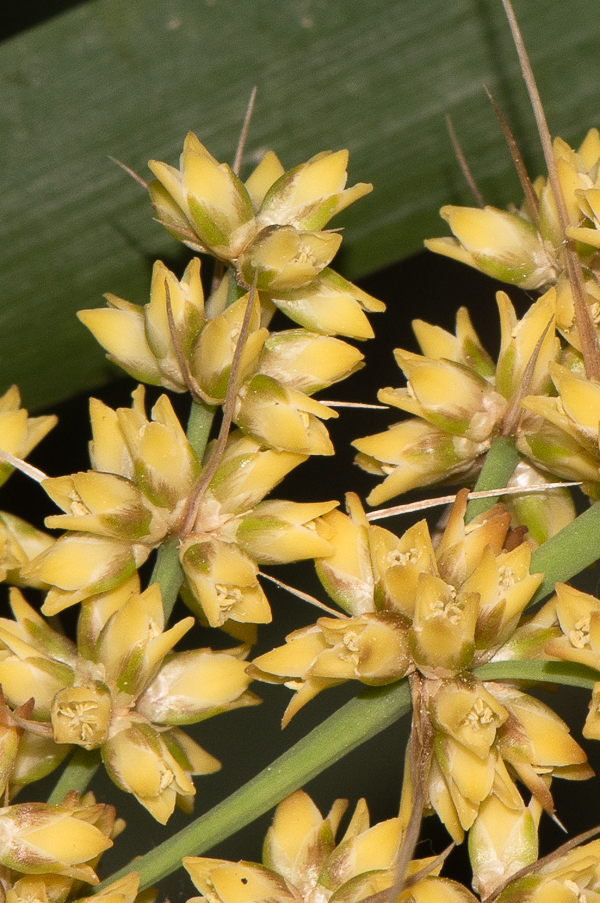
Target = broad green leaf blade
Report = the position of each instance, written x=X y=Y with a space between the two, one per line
x=129 y=79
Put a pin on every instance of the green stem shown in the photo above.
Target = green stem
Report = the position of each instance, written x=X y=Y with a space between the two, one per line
x=567 y=553
x=167 y=570
x=82 y=767
x=198 y=428
x=168 y=574
x=361 y=718
x=497 y=470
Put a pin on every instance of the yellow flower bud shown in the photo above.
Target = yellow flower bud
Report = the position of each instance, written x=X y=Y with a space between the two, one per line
x=299 y=838
x=195 y=685
x=309 y=195
x=464 y=347
x=535 y=742
x=37 y=838
x=503 y=245
x=247 y=472
x=20 y=543
x=278 y=532
x=283 y=418
x=286 y=259
x=108 y=449
x=228 y=882
x=347 y=574
x=101 y=503
x=80 y=565
x=166 y=466
x=544 y=513
x=591 y=729
x=18 y=432
x=262 y=177
x=139 y=339
x=308 y=361
x=120 y=330
x=450 y=396
x=330 y=305
x=140 y=761
x=212 y=356
x=518 y=343
x=502 y=841
x=413 y=453
x=137 y=624
x=211 y=197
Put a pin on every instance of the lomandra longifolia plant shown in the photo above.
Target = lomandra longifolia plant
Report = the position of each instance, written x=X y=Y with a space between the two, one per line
x=451 y=627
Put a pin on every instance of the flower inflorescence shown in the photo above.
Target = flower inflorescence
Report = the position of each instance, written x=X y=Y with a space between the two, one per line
x=431 y=608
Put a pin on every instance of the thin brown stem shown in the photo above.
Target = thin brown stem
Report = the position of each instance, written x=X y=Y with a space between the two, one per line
x=421 y=749
x=188 y=377
x=219 y=447
x=587 y=334
x=237 y=163
x=531 y=198
x=305 y=596
x=462 y=162
x=410 y=507
x=130 y=172
x=515 y=412
x=28 y=469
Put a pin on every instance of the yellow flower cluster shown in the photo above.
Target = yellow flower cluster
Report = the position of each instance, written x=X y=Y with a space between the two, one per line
x=438 y=614
x=461 y=398
x=123 y=691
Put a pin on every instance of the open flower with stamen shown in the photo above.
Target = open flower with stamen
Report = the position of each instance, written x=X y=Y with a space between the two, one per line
x=577 y=614
x=27 y=748
x=460 y=398
x=285 y=259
